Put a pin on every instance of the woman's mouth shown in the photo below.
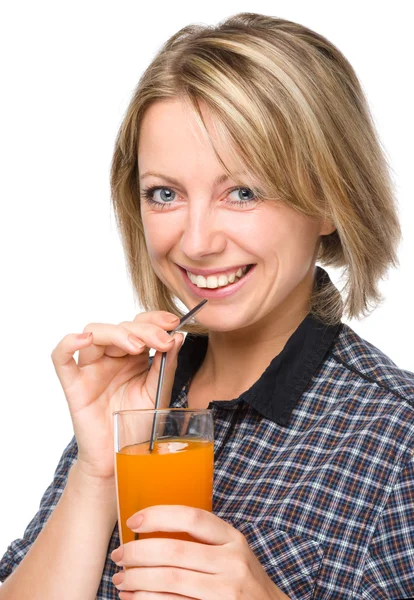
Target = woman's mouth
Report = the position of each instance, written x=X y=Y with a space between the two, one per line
x=217 y=286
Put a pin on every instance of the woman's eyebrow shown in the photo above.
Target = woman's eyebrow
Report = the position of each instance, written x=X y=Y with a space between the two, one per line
x=220 y=179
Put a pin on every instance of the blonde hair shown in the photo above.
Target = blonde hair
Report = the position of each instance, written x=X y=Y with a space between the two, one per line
x=292 y=107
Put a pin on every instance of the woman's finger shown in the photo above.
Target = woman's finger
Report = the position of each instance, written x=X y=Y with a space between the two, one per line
x=152 y=596
x=153 y=552
x=200 y=524
x=107 y=335
x=62 y=357
x=166 y=579
x=162 y=318
x=120 y=340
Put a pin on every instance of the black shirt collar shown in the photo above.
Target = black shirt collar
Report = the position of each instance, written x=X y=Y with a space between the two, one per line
x=276 y=393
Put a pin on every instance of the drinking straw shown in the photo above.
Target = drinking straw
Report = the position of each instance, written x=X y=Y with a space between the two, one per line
x=183 y=320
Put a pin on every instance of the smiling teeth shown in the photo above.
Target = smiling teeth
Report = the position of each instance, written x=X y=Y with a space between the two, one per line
x=213 y=281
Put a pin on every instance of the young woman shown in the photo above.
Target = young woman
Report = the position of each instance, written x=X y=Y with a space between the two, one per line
x=247 y=154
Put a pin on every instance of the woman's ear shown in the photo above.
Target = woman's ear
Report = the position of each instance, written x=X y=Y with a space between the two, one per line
x=327 y=227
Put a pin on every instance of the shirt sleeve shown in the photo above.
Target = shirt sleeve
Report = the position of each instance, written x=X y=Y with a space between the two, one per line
x=389 y=569
x=19 y=548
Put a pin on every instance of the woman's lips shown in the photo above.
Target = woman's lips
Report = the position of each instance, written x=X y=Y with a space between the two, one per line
x=217 y=271
x=220 y=292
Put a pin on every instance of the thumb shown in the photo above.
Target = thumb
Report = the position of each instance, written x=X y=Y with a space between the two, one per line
x=169 y=372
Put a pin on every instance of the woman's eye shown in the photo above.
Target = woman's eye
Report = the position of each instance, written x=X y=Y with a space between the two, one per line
x=160 y=197
x=241 y=196
x=166 y=196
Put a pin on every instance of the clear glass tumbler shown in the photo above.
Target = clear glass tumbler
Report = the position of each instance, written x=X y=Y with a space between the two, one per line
x=178 y=470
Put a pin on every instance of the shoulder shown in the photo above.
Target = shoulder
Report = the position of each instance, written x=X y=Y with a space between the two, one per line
x=366 y=363
x=366 y=404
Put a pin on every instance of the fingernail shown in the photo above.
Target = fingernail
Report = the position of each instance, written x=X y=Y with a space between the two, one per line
x=118 y=578
x=171 y=319
x=117 y=554
x=135 y=521
x=178 y=342
x=84 y=336
x=164 y=337
x=135 y=341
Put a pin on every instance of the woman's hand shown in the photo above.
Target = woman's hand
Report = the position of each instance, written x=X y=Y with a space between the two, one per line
x=221 y=566
x=112 y=374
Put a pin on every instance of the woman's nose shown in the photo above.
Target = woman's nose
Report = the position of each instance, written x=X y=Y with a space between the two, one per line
x=202 y=234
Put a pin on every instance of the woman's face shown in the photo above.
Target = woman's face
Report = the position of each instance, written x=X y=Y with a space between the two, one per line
x=196 y=224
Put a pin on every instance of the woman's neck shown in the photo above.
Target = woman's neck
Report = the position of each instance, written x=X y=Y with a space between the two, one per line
x=235 y=360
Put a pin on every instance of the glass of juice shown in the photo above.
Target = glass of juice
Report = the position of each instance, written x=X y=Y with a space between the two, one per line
x=178 y=470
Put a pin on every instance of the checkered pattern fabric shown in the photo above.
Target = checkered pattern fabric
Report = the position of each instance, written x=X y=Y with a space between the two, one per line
x=325 y=497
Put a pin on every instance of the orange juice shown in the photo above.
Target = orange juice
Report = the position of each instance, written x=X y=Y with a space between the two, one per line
x=177 y=471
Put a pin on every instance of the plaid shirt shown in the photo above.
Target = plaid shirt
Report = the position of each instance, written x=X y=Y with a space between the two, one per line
x=313 y=464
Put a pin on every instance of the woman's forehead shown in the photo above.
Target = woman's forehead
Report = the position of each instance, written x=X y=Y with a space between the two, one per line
x=170 y=145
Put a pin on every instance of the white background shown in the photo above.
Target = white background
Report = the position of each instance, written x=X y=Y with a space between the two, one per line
x=68 y=72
